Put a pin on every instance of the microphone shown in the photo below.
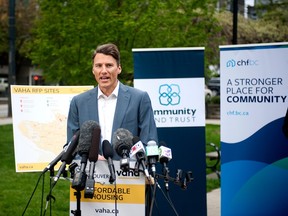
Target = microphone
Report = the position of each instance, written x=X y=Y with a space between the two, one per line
x=108 y=154
x=165 y=155
x=73 y=143
x=152 y=153
x=122 y=142
x=93 y=157
x=67 y=156
x=138 y=151
x=85 y=140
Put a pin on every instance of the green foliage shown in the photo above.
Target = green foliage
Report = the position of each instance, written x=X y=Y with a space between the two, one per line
x=252 y=31
x=273 y=23
x=214 y=100
x=3 y=37
x=212 y=136
x=275 y=10
x=24 y=16
x=66 y=32
x=212 y=184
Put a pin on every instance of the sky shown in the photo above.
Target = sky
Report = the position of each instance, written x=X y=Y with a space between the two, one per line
x=249 y=2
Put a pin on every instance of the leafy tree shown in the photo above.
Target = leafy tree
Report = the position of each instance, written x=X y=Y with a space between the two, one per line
x=252 y=31
x=24 y=15
x=271 y=26
x=276 y=11
x=66 y=32
x=3 y=26
x=273 y=20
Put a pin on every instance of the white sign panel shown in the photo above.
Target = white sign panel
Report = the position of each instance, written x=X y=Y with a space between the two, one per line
x=252 y=84
x=176 y=102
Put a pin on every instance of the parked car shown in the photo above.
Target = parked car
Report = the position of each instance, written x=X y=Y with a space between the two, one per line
x=214 y=85
x=4 y=84
x=208 y=92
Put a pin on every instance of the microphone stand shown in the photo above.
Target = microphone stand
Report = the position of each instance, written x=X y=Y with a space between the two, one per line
x=50 y=196
x=77 y=193
x=77 y=212
x=165 y=176
x=148 y=198
x=152 y=200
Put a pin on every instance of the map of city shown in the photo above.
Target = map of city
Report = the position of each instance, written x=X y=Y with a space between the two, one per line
x=38 y=133
x=40 y=123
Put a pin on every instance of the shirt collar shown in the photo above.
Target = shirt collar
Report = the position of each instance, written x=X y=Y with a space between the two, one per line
x=114 y=93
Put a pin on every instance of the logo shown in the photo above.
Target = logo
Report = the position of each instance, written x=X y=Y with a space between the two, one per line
x=231 y=63
x=169 y=94
x=241 y=63
x=137 y=147
x=173 y=108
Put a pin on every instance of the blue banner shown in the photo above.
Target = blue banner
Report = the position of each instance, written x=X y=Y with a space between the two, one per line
x=254 y=100
x=174 y=80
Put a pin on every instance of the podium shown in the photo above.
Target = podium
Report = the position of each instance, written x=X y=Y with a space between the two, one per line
x=126 y=196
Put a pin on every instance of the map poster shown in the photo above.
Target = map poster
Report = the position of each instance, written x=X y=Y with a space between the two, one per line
x=39 y=123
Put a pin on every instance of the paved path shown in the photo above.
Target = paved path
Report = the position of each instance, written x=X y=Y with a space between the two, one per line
x=213 y=121
x=213 y=202
x=3 y=110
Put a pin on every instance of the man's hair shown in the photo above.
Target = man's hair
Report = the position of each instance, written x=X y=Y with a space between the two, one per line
x=108 y=49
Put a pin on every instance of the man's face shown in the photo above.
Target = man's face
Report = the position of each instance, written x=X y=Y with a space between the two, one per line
x=106 y=70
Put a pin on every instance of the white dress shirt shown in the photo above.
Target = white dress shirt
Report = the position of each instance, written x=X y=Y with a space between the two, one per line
x=106 y=111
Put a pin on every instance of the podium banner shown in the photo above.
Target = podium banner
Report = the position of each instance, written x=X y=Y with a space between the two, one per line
x=125 y=196
x=254 y=150
x=40 y=123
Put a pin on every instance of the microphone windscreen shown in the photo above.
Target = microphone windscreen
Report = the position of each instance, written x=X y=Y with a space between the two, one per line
x=151 y=143
x=85 y=139
x=69 y=153
x=94 y=149
x=107 y=149
x=122 y=140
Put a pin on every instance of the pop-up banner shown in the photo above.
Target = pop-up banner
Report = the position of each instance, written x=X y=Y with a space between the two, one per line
x=254 y=100
x=174 y=80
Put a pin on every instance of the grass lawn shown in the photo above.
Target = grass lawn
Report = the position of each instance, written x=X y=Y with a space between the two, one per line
x=212 y=136
x=16 y=188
